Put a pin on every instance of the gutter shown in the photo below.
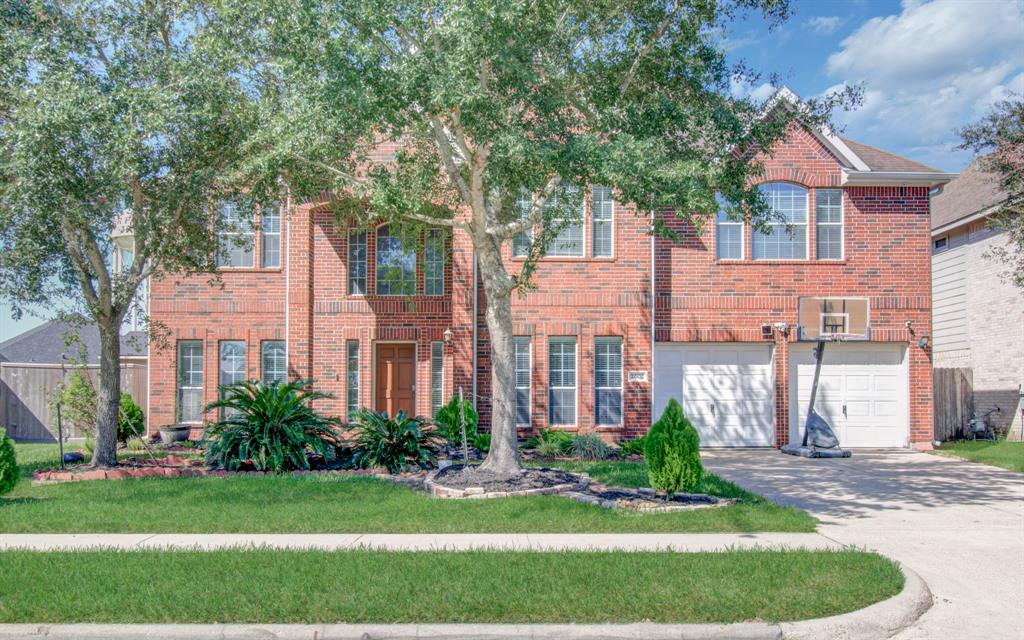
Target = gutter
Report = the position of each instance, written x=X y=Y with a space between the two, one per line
x=896 y=178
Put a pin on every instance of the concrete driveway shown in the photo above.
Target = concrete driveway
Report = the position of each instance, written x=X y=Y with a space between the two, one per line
x=958 y=524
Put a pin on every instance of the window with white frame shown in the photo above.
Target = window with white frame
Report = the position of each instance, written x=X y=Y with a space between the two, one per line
x=357 y=263
x=274 y=361
x=602 y=221
x=728 y=234
x=436 y=376
x=235 y=235
x=524 y=373
x=828 y=212
x=232 y=367
x=568 y=242
x=608 y=381
x=190 y=381
x=351 y=378
x=524 y=239
x=270 y=218
x=786 y=239
x=396 y=265
x=433 y=263
x=562 y=381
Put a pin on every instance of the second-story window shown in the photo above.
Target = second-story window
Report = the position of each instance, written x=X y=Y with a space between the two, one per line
x=569 y=241
x=786 y=238
x=828 y=212
x=396 y=265
x=234 y=238
x=522 y=240
x=433 y=263
x=270 y=216
x=728 y=235
x=357 y=263
x=603 y=212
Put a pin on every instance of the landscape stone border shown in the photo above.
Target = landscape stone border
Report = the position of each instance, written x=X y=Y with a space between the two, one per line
x=478 y=493
x=881 y=620
x=646 y=500
x=177 y=468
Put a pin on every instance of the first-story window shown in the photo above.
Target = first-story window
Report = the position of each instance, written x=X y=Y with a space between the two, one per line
x=524 y=372
x=608 y=381
x=433 y=263
x=562 y=381
x=190 y=381
x=787 y=237
x=352 y=377
x=274 y=361
x=232 y=366
x=234 y=237
x=357 y=263
x=270 y=215
x=436 y=376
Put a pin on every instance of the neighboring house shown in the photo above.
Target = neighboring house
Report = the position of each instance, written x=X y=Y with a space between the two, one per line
x=618 y=323
x=33 y=364
x=978 y=315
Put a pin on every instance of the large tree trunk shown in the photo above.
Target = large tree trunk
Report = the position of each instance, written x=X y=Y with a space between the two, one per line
x=105 y=451
x=503 y=456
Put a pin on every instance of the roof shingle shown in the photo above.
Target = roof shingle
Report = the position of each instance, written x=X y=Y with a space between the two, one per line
x=972 y=191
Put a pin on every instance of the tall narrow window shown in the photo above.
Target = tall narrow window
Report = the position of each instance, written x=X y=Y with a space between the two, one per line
x=562 y=381
x=271 y=240
x=433 y=263
x=190 y=381
x=608 y=381
x=569 y=240
x=524 y=239
x=357 y=263
x=436 y=377
x=787 y=238
x=232 y=366
x=603 y=222
x=234 y=237
x=274 y=361
x=352 y=377
x=396 y=265
x=728 y=234
x=524 y=374
x=828 y=208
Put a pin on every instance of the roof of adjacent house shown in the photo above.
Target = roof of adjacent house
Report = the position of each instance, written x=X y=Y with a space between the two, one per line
x=46 y=343
x=973 y=191
x=879 y=160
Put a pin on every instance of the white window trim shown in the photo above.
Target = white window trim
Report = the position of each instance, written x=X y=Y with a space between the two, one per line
x=376 y=267
x=252 y=254
x=841 y=224
x=263 y=368
x=348 y=263
x=426 y=239
x=611 y=222
x=348 y=372
x=263 y=244
x=807 y=224
x=944 y=247
x=179 y=387
x=433 y=412
x=622 y=382
x=584 y=239
x=743 y=239
x=576 y=378
x=529 y=387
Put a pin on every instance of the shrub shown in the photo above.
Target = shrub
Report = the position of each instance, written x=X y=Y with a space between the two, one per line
x=482 y=441
x=634 y=447
x=270 y=426
x=673 y=452
x=395 y=444
x=589 y=446
x=89 y=444
x=131 y=421
x=8 y=463
x=78 y=403
x=553 y=438
x=136 y=444
x=448 y=420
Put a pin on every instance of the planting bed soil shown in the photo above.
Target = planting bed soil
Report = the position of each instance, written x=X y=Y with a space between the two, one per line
x=461 y=482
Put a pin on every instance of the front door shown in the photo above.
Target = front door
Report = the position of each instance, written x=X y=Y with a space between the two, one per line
x=396 y=378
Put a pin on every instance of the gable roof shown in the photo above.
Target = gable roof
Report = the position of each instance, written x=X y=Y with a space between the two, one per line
x=878 y=160
x=971 y=193
x=46 y=343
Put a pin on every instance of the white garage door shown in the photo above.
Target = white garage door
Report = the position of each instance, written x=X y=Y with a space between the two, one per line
x=862 y=392
x=726 y=390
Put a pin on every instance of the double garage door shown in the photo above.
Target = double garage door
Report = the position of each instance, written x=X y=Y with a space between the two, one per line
x=728 y=392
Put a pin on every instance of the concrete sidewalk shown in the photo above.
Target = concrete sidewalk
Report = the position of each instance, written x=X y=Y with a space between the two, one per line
x=681 y=542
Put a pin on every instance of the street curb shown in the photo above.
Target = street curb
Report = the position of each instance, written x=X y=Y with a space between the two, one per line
x=876 y=622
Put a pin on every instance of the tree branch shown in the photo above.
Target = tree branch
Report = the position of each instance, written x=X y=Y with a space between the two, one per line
x=536 y=216
x=660 y=31
x=431 y=220
x=448 y=156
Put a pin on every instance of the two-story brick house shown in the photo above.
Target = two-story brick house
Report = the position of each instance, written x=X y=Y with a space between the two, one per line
x=618 y=323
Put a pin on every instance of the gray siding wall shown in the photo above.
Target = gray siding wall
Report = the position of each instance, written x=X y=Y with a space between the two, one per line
x=949 y=295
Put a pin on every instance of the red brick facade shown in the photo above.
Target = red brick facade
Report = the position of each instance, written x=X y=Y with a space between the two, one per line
x=697 y=299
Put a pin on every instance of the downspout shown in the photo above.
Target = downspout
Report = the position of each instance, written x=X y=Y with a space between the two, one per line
x=654 y=305
x=476 y=298
x=287 y=283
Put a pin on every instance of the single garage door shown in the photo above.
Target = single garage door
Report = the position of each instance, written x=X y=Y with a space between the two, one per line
x=726 y=390
x=862 y=392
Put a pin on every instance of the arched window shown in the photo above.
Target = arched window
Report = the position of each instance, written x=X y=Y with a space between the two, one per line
x=787 y=237
x=396 y=265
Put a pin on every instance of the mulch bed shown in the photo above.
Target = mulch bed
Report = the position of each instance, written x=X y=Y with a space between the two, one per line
x=647 y=500
x=459 y=482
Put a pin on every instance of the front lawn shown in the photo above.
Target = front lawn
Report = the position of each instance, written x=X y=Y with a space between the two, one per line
x=1005 y=454
x=356 y=504
x=264 y=586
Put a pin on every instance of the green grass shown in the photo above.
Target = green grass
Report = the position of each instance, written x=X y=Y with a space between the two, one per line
x=263 y=586
x=1005 y=454
x=351 y=504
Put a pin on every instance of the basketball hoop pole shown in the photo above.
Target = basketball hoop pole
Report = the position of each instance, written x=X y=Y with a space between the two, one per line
x=819 y=355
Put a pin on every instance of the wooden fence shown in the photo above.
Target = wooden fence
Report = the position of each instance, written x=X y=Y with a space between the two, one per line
x=26 y=389
x=953 y=401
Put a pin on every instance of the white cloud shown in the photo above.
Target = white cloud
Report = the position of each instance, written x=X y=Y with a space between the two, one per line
x=741 y=88
x=928 y=71
x=823 y=25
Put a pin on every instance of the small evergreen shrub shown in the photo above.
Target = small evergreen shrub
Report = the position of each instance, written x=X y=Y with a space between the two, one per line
x=482 y=441
x=131 y=421
x=79 y=403
x=135 y=444
x=550 y=448
x=553 y=438
x=8 y=463
x=589 y=446
x=397 y=444
x=634 y=447
x=672 y=452
x=449 y=421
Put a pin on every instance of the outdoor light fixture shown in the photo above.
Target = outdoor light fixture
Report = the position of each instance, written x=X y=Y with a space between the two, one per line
x=923 y=342
x=448 y=336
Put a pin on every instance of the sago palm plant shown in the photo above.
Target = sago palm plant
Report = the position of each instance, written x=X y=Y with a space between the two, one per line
x=395 y=444
x=269 y=426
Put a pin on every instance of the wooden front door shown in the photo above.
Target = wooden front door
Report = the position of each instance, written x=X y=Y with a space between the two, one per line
x=396 y=378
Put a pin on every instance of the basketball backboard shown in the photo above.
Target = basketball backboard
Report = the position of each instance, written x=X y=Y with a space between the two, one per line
x=833 y=319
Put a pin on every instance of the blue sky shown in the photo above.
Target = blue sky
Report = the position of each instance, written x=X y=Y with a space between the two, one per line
x=928 y=68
